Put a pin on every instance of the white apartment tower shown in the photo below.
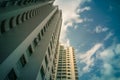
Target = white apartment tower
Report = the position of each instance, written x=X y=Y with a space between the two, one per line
x=65 y=64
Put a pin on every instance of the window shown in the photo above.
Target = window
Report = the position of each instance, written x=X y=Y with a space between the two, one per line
x=29 y=50
x=21 y=63
x=23 y=17
x=58 y=77
x=35 y=42
x=69 y=77
x=31 y=14
x=69 y=74
x=58 y=73
x=42 y=33
x=27 y=15
x=42 y=73
x=11 y=22
x=50 y=78
x=44 y=28
x=64 y=77
x=46 y=60
x=52 y=69
x=68 y=67
x=51 y=44
x=68 y=70
x=49 y=51
x=22 y=60
x=59 y=64
x=11 y=75
x=18 y=19
x=59 y=70
x=76 y=78
x=3 y=26
x=39 y=36
x=63 y=73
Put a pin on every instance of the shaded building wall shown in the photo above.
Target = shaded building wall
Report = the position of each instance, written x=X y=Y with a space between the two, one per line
x=29 y=34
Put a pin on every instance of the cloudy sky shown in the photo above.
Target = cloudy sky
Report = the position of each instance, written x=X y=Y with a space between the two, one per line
x=92 y=27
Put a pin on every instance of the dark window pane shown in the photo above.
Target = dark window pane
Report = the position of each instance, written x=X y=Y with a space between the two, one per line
x=46 y=60
x=42 y=32
x=23 y=61
x=48 y=51
x=35 y=42
x=30 y=50
x=3 y=26
x=42 y=73
x=11 y=75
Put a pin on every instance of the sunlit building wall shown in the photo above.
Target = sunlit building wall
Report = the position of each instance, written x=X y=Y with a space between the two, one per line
x=65 y=64
x=29 y=36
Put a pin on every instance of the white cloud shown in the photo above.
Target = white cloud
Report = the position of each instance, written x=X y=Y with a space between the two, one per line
x=108 y=57
x=108 y=36
x=110 y=52
x=75 y=27
x=109 y=61
x=87 y=8
x=87 y=57
x=94 y=77
x=117 y=49
x=107 y=54
x=100 y=29
x=69 y=15
x=107 y=69
x=88 y=19
x=67 y=43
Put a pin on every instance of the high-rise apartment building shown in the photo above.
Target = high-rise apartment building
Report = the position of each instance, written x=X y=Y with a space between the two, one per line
x=29 y=36
x=65 y=67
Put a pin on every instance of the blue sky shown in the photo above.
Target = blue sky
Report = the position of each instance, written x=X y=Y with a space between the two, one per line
x=92 y=27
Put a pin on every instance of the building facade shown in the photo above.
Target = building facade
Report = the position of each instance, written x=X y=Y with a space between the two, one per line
x=29 y=36
x=65 y=67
